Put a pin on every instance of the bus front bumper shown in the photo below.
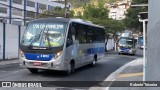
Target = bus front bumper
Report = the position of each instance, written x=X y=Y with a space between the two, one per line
x=49 y=65
x=129 y=51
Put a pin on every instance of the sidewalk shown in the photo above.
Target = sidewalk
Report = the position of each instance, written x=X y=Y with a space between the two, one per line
x=132 y=71
x=5 y=62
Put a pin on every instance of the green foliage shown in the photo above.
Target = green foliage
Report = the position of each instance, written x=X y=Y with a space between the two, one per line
x=93 y=11
x=111 y=1
x=139 y=1
x=56 y=12
x=131 y=20
x=99 y=15
x=78 y=3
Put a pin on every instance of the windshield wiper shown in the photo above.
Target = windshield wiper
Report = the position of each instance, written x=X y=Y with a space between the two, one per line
x=47 y=35
x=35 y=38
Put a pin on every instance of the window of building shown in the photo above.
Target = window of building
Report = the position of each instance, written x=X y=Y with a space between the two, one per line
x=51 y=7
x=16 y=11
x=42 y=6
x=4 y=0
x=3 y=20
x=17 y=1
x=30 y=14
x=16 y=22
x=3 y=10
x=30 y=3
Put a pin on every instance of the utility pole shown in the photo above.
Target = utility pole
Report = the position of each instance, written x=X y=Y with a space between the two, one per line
x=143 y=17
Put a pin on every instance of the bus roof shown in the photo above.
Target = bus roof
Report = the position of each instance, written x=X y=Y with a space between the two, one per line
x=65 y=20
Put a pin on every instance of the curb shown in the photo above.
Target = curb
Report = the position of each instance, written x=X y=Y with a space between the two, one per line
x=112 y=76
x=3 y=62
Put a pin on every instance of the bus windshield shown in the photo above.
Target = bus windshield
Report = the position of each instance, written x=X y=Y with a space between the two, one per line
x=44 y=34
x=140 y=40
x=126 y=42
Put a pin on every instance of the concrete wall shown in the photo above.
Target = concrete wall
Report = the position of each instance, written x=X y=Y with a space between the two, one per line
x=153 y=42
x=13 y=33
x=110 y=44
x=1 y=40
x=11 y=50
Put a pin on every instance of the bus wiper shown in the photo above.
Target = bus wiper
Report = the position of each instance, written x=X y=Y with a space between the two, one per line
x=47 y=35
x=35 y=38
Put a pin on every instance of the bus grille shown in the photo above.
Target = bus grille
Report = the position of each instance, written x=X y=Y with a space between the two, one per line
x=42 y=64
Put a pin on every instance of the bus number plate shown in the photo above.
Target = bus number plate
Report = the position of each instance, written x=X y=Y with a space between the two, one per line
x=37 y=63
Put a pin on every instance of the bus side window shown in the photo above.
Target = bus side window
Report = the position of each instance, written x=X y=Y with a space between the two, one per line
x=80 y=33
x=71 y=36
x=103 y=35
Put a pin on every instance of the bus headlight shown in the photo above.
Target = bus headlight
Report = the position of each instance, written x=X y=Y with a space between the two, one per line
x=21 y=53
x=58 y=54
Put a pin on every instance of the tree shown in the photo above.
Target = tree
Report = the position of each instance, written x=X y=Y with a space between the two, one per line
x=98 y=14
x=92 y=11
x=111 y=1
x=131 y=20
x=56 y=12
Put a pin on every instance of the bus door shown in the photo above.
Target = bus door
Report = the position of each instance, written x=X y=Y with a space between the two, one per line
x=72 y=46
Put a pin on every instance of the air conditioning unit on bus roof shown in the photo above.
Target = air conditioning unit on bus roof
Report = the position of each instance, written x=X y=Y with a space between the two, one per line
x=79 y=20
x=59 y=17
x=127 y=34
x=89 y=22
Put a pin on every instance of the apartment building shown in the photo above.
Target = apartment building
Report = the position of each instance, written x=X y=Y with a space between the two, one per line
x=118 y=9
x=19 y=11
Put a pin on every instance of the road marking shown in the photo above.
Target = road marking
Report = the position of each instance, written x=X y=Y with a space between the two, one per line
x=130 y=75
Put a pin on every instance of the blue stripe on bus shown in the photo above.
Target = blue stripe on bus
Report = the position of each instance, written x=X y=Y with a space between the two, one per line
x=124 y=48
x=40 y=57
x=95 y=50
x=48 y=57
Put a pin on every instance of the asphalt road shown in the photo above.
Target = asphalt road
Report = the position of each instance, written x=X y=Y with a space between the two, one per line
x=103 y=68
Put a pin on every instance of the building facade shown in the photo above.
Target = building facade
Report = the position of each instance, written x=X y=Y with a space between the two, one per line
x=19 y=11
x=118 y=9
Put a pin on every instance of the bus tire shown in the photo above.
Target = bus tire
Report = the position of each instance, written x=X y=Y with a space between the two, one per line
x=71 y=68
x=33 y=70
x=134 y=54
x=94 y=61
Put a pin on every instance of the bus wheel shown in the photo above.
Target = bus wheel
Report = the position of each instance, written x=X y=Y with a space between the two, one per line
x=33 y=70
x=94 y=61
x=70 y=68
x=134 y=54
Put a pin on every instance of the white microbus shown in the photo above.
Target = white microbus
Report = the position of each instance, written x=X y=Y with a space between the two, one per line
x=61 y=44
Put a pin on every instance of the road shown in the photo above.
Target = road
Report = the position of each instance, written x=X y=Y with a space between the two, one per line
x=104 y=67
